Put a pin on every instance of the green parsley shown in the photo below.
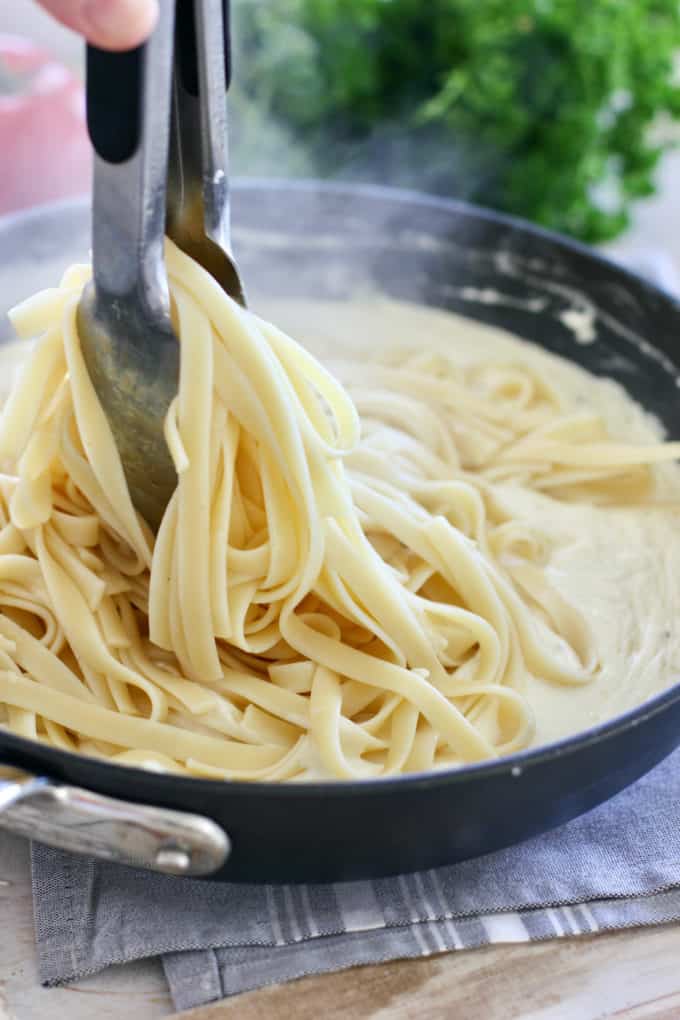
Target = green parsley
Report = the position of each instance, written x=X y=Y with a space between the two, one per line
x=541 y=108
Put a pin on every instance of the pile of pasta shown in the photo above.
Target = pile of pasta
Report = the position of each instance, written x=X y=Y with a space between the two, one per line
x=336 y=589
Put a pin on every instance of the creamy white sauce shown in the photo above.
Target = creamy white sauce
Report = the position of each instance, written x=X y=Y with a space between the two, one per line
x=620 y=567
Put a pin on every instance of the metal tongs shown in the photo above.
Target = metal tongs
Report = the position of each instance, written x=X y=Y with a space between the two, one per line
x=158 y=123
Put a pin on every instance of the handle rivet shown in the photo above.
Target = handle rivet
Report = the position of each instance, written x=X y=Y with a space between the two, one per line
x=173 y=860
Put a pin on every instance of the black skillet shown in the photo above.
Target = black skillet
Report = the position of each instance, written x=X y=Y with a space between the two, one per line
x=305 y=239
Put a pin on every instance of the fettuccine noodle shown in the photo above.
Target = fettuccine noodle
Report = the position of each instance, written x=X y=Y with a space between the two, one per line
x=336 y=588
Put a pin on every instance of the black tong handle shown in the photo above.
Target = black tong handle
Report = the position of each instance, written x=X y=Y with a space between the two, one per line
x=114 y=102
x=186 y=46
x=114 y=85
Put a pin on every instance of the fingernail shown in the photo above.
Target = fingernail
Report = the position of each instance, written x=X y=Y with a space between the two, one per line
x=119 y=24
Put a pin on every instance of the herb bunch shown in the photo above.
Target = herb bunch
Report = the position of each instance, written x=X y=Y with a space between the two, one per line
x=542 y=108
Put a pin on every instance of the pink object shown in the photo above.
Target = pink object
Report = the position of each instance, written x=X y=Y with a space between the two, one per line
x=44 y=148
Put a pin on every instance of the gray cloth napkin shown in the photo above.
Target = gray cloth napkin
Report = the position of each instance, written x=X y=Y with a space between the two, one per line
x=616 y=867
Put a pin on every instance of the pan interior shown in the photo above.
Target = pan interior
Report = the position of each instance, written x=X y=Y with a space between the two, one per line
x=340 y=246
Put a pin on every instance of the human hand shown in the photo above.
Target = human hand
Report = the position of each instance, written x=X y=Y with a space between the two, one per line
x=109 y=24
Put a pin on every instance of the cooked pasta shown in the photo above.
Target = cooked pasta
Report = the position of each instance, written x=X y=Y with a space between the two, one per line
x=337 y=587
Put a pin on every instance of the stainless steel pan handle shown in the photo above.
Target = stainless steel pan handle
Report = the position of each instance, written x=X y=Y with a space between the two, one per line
x=68 y=818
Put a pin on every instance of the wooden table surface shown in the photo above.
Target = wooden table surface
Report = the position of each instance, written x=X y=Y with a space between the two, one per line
x=632 y=975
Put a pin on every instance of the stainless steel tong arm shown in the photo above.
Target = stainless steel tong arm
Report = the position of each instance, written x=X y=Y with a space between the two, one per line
x=127 y=339
x=198 y=209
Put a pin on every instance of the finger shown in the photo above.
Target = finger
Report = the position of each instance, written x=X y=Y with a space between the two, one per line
x=110 y=24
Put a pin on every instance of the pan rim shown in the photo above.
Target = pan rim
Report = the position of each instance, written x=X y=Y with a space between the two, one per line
x=516 y=764
x=405 y=196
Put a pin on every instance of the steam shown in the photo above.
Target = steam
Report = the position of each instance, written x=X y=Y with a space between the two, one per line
x=404 y=151
x=391 y=154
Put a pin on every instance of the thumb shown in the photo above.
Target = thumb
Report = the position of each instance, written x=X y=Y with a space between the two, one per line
x=109 y=24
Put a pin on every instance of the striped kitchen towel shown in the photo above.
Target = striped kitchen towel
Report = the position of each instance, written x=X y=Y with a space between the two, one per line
x=616 y=867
